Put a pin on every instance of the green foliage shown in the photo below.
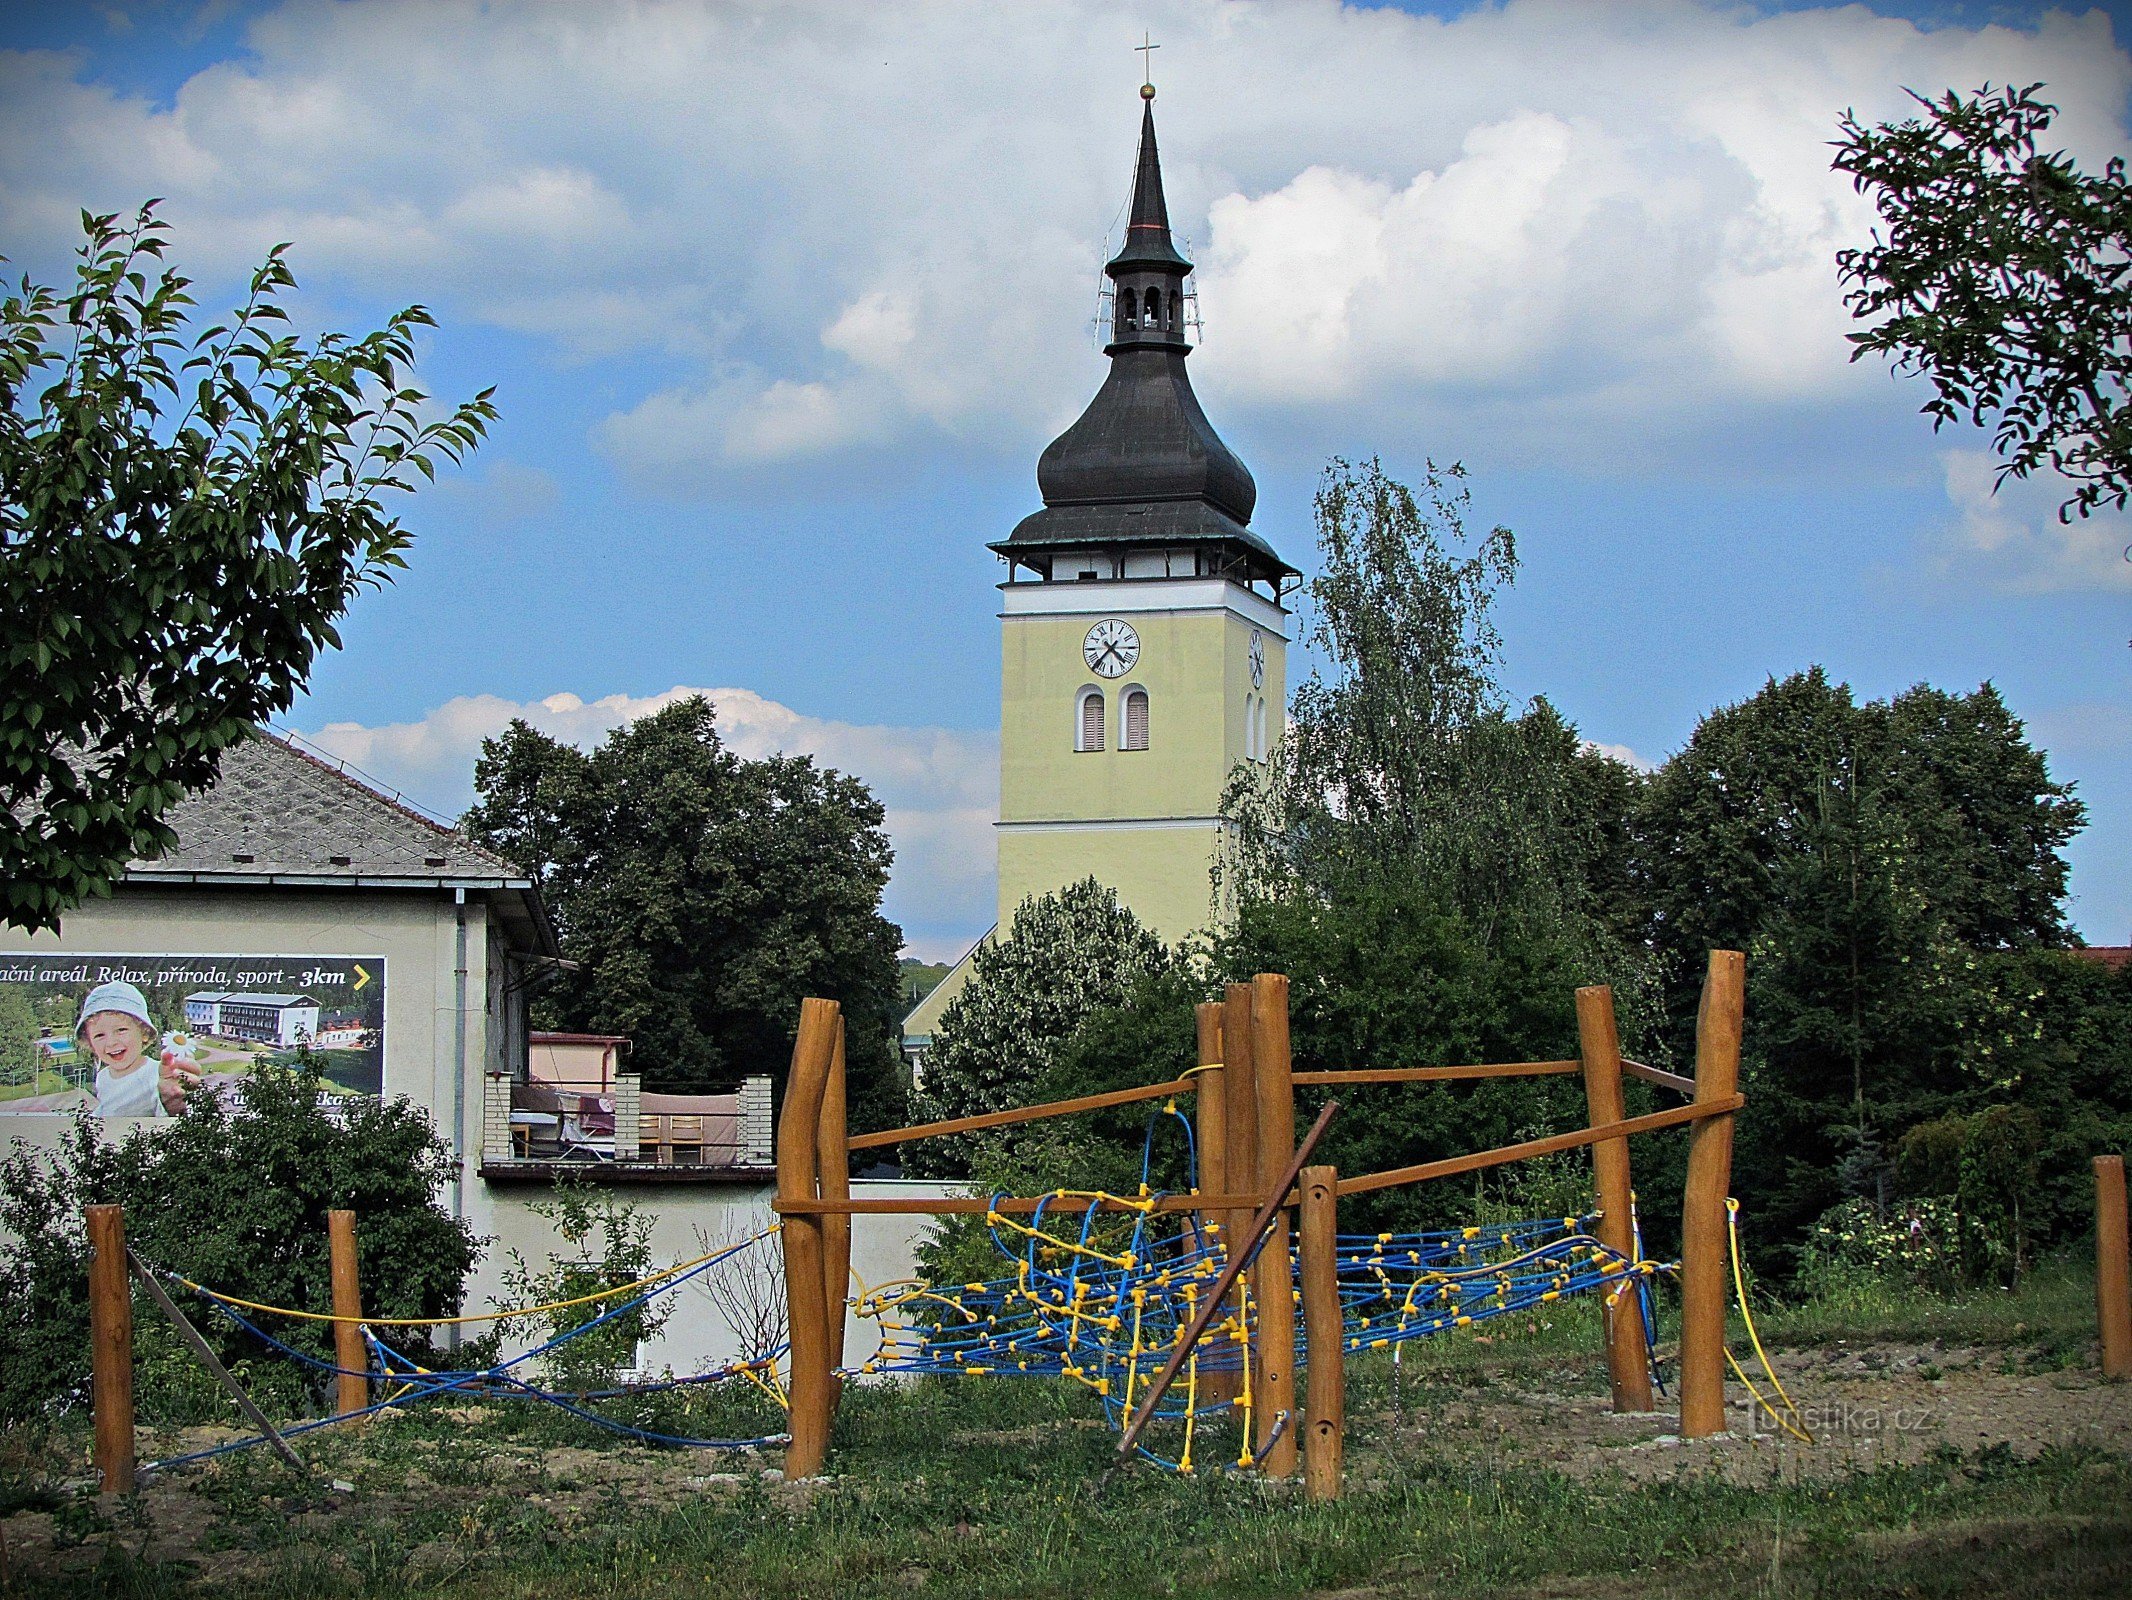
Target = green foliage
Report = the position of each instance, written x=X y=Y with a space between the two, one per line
x=1434 y=872
x=1403 y=760
x=1983 y=1169
x=1894 y=872
x=2000 y=273
x=919 y=979
x=235 y=1197
x=1853 y=1250
x=1385 y=978
x=703 y=896
x=184 y=514
x=1064 y=956
x=19 y=1050
x=609 y=1245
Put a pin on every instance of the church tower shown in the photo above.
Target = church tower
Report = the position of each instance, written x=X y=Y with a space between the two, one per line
x=1142 y=631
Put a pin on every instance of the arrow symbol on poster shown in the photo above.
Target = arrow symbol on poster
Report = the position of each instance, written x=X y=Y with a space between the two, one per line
x=362 y=976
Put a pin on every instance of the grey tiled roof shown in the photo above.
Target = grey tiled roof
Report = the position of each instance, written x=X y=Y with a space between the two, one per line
x=277 y=812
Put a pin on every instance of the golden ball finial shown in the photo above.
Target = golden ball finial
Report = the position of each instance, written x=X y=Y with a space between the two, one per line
x=1147 y=91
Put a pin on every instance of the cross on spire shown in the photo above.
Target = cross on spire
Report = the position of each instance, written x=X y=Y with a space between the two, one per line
x=1146 y=49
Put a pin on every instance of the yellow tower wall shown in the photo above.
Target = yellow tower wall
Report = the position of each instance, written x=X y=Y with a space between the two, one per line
x=1142 y=821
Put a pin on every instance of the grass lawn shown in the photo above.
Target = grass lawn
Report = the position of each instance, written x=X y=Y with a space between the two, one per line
x=1003 y=1488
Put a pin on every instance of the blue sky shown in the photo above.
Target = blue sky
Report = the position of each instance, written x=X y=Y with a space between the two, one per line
x=781 y=303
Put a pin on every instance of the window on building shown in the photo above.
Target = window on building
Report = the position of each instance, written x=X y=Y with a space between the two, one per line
x=1091 y=721
x=1135 y=720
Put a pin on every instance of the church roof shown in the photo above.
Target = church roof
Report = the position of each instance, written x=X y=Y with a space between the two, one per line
x=1143 y=465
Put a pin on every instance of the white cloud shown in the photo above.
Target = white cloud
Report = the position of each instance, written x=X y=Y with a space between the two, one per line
x=844 y=225
x=2012 y=538
x=1621 y=753
x=939 y=787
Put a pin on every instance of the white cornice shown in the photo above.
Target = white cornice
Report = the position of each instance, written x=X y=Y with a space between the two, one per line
x=1108 y=824
x=1110 y=597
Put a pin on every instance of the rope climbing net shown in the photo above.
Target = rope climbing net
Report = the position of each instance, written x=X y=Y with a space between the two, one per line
x=510 y=1379
x=1104 y=1303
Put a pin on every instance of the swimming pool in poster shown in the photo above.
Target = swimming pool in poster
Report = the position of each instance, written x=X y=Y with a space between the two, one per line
x=134 y=1036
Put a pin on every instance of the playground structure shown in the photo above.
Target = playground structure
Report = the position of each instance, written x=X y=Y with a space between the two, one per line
x=1205 y=1283
x=1260 y=1213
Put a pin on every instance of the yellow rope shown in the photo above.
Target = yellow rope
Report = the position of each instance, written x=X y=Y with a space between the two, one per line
x=661 y=1276
x=1795 y=1425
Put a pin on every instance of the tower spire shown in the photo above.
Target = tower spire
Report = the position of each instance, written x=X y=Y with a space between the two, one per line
x=1143 y=469
x=1147 y=227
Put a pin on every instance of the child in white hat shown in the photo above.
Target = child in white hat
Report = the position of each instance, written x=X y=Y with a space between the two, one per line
x=119 y=1033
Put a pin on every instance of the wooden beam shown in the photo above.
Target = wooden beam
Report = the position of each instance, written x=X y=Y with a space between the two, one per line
x=1659 y=1076
x=1599 y=1042
x=1705 y=1281
x=1240 y=1125
x=1222 y=1384
x=1210 y=1307
x=806 y=1318
x=832 y=1157
x=1455 y=1166
x=1007 y=1119
x=110 y=1349
x=2113 y=1272
x=352 y=1391
x=970 y=1205
x=1273 y=1275
x=1467 y=1074
x=213 y=1363
x=1324 y=1333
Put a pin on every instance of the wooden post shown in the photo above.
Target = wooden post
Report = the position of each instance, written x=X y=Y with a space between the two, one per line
x=348 y=1352
x=111 y=1348
x=1599 y=1042
x=834 y=1159
x=1705 y=1279
x=1240 y=1105
x=1220 y=1387
x=1325 y=1386
x=2113 y=1294
x=798 y=1172
x=1273 y=1275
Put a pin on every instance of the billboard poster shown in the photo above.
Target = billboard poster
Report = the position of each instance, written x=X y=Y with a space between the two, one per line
x=143 y=1036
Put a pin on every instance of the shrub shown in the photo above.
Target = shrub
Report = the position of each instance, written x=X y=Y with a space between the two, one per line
x=609 y=1246
x=234 y=1196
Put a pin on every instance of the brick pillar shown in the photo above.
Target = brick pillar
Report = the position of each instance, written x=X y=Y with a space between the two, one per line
x=628 y=1115
x=756 y=1149
x=495 y=1119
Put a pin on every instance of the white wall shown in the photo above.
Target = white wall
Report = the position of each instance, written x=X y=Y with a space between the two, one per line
x=696 y=1338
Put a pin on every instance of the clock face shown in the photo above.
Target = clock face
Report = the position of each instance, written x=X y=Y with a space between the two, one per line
x=1258 y=659
x=1111 y=648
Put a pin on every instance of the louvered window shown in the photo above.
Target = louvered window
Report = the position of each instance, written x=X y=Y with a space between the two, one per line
x=1135 y=720
x=1091 y=721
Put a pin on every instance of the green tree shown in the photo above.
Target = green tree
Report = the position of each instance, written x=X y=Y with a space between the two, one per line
x=2000 y=273
x=1435 y=870
x=1402 y=756
x=702 y=896
x=1883 y=865
x=19 y=1050
x=185 y=512
x=1064 y=956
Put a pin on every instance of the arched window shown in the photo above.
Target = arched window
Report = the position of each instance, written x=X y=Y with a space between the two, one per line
x=1258 y=728
x=1154 y=308
x=1176 y=311
x=1089 y=724
x=1135 y=720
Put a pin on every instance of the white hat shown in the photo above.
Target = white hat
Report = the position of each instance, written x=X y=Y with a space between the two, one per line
x=117 y=996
